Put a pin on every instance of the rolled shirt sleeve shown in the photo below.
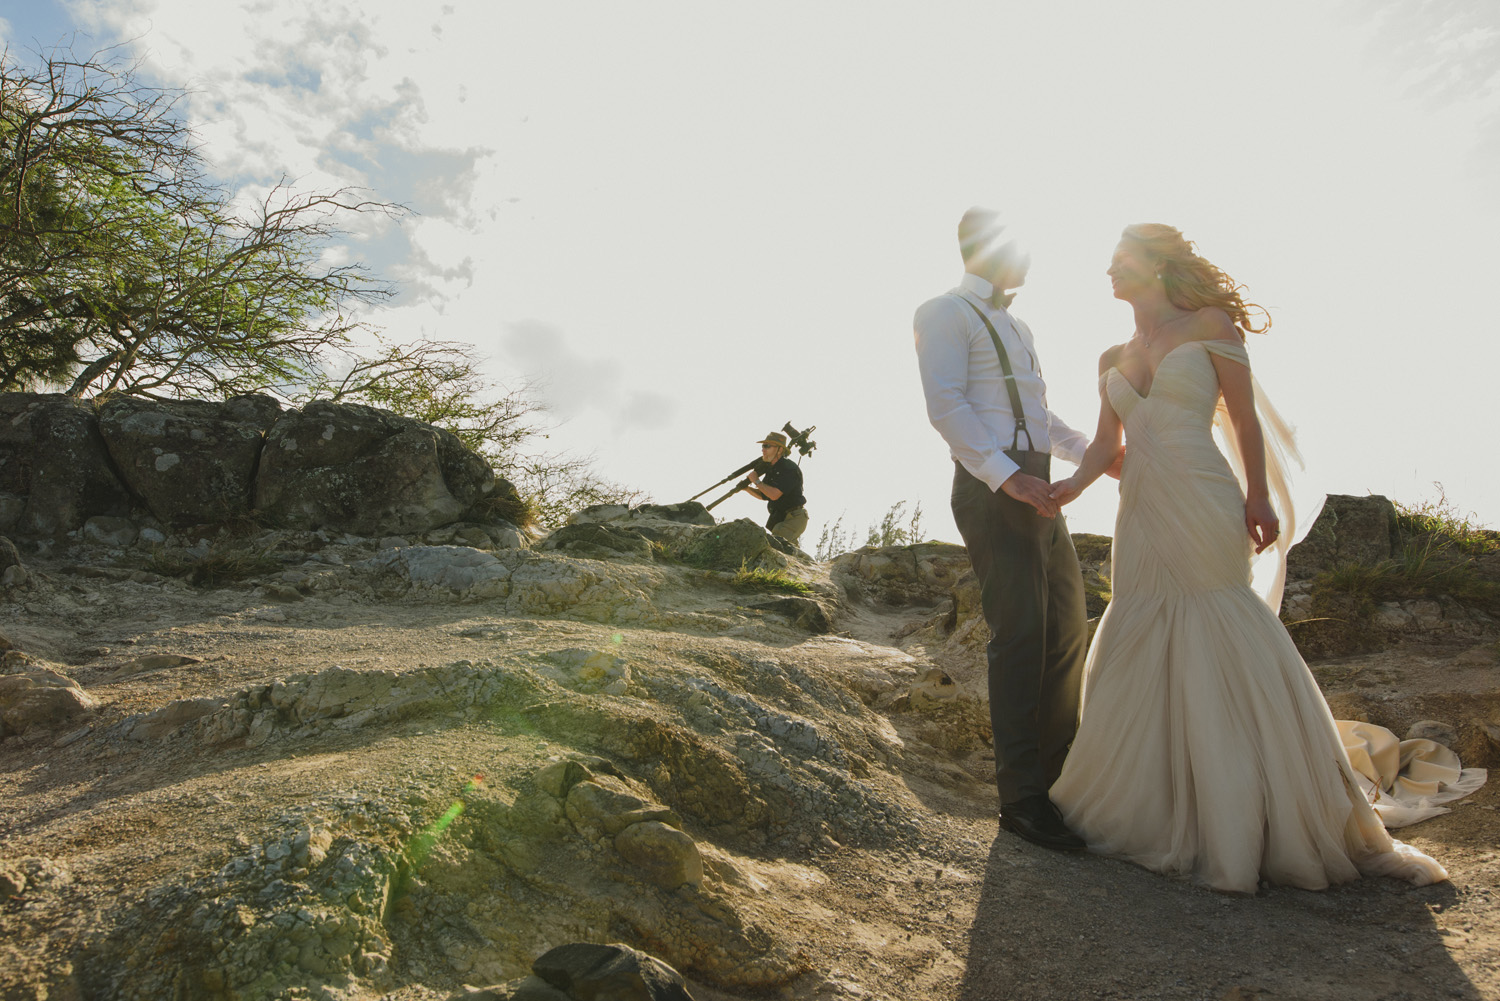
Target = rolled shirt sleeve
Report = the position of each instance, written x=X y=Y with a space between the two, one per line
x=1067 y=443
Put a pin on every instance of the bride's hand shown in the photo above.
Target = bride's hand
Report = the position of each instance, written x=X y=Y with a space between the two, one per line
x=1260 y=519
x=1065 y=491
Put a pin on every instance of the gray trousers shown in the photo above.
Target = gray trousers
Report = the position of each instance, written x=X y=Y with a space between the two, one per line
x=1032 y=594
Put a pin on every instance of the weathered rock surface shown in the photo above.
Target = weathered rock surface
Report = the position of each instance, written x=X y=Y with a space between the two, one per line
x=190 y=461
x=40 y=699
x=904 y=575
x=609 y=973
x=1348 y=530
x=116 y=533
x=9 y=556
x=737 y=544
x=668 y=857
x=598 y=541
x=357 y=469
x=53 y=457
x=385 y=770
x=340 y=467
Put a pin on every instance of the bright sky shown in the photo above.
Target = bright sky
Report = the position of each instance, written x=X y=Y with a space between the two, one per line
x=699 y=221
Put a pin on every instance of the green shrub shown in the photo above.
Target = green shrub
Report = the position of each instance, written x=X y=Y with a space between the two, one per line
x=1441 y=521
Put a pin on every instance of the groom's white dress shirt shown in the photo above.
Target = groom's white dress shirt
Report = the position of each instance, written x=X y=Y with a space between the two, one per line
x=965 y=386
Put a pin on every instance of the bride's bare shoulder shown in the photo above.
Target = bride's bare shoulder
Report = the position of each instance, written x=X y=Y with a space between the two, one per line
x=1111 y=357
x=1213 y=324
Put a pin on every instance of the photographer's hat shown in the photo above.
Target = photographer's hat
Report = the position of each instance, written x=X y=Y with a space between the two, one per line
x=774 y=438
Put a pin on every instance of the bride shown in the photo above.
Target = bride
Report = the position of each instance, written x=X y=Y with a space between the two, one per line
x=1205 y=747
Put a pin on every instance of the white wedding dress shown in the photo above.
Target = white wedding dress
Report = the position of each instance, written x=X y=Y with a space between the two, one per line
x=1205 y=747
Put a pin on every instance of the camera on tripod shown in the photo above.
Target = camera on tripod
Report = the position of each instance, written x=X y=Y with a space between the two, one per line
x=795 y=439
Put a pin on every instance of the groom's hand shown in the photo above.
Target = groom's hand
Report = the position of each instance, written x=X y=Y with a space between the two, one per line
x=1066 y=491
x=1033 y=491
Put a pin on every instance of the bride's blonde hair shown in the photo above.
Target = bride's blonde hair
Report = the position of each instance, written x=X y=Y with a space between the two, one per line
x=1190 y=281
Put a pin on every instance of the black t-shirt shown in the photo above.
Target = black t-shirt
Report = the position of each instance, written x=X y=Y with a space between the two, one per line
x=785 y=476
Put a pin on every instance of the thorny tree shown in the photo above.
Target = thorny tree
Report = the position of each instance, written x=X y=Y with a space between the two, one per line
x=124 y=269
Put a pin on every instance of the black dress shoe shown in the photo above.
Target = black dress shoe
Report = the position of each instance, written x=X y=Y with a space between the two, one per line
x=1038 y=821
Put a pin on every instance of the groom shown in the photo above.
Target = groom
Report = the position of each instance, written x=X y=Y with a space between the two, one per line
x=986 y=397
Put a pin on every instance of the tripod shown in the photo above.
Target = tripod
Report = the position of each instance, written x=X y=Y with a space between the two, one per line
x=795 y=439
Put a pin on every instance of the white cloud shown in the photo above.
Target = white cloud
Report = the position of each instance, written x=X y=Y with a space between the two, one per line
x=572 y=384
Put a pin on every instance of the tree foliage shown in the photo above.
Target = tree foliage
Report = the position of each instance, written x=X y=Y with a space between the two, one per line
x=124 y=268
x=440 y=382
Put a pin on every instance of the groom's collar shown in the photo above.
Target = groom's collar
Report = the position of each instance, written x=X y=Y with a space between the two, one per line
x=985 y=290
x=977 y=285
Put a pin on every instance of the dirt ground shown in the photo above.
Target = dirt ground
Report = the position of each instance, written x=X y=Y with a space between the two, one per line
x=958 y=911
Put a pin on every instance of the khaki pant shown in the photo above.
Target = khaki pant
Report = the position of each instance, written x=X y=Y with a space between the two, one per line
x=792 y=526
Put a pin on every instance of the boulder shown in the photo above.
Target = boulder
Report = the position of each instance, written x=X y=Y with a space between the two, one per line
x=117 y=533
x=558 y=778
x=1433 y=730
x=804 y=613
x=933 y=688
x=369 y=472
x=52 y=455
x=732 y=545
x=40 y=697
x=170 y=717
x=597 y=541
x=9 y=555
x=596 y=514
x=1349 y=530
x=673 y=526
x=458 y=568
x=900 y=575
x=666 y=856
x=505 y=535
x=686 y=513
x=586 y=972
x=190 y=461
x=607 y=804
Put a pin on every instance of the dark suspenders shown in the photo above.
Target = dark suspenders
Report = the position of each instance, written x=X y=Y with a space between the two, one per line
x=1010 y=383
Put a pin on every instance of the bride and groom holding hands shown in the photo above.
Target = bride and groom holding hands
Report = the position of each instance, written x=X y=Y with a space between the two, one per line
x=1204 y=747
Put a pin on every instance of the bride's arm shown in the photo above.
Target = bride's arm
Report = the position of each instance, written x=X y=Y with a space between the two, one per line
x=1103 y=452
x=1239 y=400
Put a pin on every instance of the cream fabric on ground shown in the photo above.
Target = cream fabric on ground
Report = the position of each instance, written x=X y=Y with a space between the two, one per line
x=1406 y=780
x=1205 y=747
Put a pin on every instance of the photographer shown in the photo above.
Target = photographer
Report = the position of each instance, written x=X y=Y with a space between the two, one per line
x=780 y=485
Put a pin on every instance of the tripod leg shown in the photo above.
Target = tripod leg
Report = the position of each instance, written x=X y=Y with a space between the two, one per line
x=737 y=488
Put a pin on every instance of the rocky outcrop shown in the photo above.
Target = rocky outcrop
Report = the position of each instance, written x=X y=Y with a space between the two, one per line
x=358 y=469
x=55 y=470
x=337 y=467
x=189 y=461
x=737 y=544
x=903 y=575
x=1348 y=530
x=584 y=972
x=12 y=571
x=40 y=699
